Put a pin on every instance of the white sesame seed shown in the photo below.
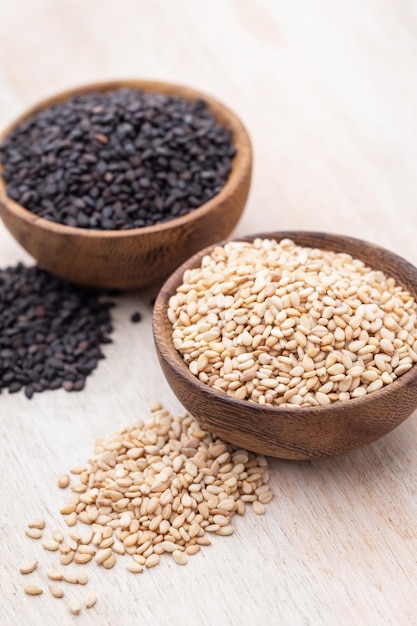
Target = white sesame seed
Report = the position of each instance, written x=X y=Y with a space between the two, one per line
x=56 y=591
x=180 y=557
x=33 y=533
x=63 y=481
x=75 y=607
x=29 y=567
x=134 y=567
x=51 y=545
x=54 y=574
x=57 y=536
x=37 y=523
x=90 y=599
x=82 y=578
x=152 y=560
x=32 y=589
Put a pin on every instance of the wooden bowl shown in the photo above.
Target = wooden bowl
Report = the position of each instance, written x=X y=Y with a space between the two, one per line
x=300 y=433
x=138 y=257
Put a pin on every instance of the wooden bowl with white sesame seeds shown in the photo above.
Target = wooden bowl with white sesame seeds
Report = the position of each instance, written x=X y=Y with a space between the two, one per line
x=135 y=257
x=301 y=432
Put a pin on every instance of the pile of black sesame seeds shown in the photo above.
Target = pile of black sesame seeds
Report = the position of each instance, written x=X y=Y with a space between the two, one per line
x=117 y=160
x=50 y=331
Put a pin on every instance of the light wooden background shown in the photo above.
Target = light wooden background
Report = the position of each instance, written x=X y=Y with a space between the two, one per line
x=328 y=91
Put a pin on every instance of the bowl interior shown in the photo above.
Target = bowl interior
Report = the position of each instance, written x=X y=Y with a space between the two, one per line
x=303 y=432
x=136 y=257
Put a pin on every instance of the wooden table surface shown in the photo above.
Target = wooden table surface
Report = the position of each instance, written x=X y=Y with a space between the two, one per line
x=328 y=92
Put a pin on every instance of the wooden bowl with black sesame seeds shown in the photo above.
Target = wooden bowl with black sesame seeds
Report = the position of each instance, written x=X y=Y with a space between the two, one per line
x=371 y=365
x=90 y=237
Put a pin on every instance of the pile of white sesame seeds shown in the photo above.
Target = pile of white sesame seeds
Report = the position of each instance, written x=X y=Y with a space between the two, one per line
x=279 y=324
x=157 y=487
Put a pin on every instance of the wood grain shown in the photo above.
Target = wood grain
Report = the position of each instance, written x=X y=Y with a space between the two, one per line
x=327 y=91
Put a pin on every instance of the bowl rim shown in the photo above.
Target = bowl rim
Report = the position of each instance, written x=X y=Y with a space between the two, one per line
x=174 y=358
x=241 y=163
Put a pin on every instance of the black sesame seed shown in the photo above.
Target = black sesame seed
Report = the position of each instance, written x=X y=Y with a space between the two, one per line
x=136 y=317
